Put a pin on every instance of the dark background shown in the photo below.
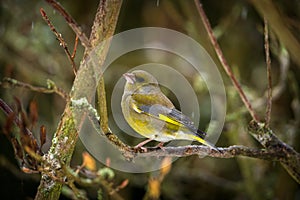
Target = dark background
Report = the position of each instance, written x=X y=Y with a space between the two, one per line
x=29 y=52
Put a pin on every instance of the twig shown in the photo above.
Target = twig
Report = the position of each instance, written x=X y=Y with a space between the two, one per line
x=279 y=26
x=26 y=143
x=79 y=194
x=119 y=187
x=268 y=62
x=8 y=111
x=60 y=39
x=223 y=60
x=75 y=47
x=97 y=180
x=8 y=165
x=290 y=159
x=71 y=22
x=51 y=88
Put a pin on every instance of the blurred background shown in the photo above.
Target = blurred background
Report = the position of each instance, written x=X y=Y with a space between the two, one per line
x=29 y=52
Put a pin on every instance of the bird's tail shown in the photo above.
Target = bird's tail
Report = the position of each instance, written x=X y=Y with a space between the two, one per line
x=202 y=141
x=200 y=133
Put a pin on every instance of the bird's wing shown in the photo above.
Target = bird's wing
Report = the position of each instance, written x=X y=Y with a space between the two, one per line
x=186 y=121
x=157 y=107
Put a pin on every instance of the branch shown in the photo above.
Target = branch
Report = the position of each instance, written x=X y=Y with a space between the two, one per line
x=17 y=120
x=227 y=152
x=261 y=132
x=75 y=48
x=51 y=87
x=100 y=32
x=223 y=60
x=269 y=76
x=275 y=150
x=60 y=39
x=267 y=9
x=98 y=179
x=87 y=76
x=269 y=140
x=71 y=22
x=26 y=142
x=130 y=152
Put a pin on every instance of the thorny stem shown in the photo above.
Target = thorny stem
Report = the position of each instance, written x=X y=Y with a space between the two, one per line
x=223 y=60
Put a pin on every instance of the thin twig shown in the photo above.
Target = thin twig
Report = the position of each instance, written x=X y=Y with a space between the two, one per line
x=75 y=47
x=51 y=88
x=12 y=168
x=279 y=24
x=223 y=60
x=268 y=62
x=60 y=39
x=98 y=179
x=71 y=22
x=27 y=139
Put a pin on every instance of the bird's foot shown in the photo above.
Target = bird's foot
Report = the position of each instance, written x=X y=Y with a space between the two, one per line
x=160 y=145
x=140 y=145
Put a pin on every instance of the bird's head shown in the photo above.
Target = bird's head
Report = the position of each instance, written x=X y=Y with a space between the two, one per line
x=141 y=81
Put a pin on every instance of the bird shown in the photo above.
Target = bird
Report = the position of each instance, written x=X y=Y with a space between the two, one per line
x=151 y=113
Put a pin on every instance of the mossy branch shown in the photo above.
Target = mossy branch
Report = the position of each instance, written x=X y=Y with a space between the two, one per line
x=275 y=150
x=66 y=135
x=266 y=137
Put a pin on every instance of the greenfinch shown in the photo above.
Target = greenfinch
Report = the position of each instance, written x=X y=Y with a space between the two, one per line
x=151 y=114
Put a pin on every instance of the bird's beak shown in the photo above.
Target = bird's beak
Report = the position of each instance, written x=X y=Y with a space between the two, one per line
x=130 y=77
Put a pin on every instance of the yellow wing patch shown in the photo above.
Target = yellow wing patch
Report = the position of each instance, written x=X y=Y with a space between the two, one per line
x=160 y=116
x=168 y=119
x=135 y=108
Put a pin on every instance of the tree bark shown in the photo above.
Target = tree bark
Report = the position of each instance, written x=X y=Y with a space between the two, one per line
x=66 y=136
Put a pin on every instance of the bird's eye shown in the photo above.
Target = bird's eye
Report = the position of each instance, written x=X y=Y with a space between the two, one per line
x=139 y=79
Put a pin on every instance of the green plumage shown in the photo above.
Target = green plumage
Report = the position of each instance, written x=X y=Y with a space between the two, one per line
x=150 y=113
